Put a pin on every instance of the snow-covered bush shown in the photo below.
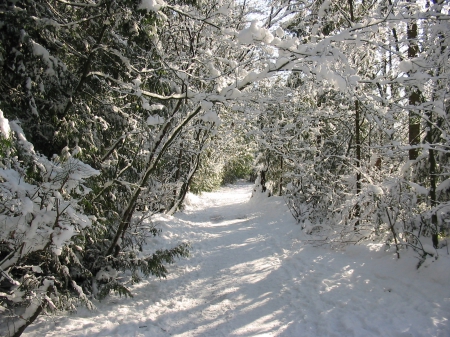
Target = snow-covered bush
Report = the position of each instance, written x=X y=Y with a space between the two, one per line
x=53 y=254
x=40 y=218
x=362 y=129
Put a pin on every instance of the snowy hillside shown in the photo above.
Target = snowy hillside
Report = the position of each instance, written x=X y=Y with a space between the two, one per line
x=252 y=273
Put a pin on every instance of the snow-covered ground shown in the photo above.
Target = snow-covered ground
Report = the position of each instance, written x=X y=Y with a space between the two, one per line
x=252 y=274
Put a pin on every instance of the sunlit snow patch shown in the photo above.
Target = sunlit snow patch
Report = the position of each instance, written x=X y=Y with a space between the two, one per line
x=152 y=5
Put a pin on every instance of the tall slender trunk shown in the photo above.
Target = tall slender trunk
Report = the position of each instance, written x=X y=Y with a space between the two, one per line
x=414 y=93
x=433 y=175
x=357 y=137
x=263 y=180
x=185 y=186
x=280 y=186
x=177 y=175
x=358 y=158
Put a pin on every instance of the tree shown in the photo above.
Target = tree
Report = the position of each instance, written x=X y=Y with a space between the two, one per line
x=364 y=57
x=114 y=86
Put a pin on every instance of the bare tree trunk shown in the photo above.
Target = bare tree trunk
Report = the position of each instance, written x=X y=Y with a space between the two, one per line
x=432 y=158
x=414 y=95
x=263 y=180
x=280 y=186
x=358 y=158
x=177 y=177
x=185 y=186
x=432 y=175
x=357 y=137
x=179 y=197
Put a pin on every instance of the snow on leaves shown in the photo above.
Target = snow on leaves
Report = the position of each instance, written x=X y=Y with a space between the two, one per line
x=152 y=5
x=142 y=92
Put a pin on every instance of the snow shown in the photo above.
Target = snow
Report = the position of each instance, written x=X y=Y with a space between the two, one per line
x=49 y=60
x=213 y=72
x=153 y=107
x=286 y=44
x=443 y=186
x=27 y=206
x=4 y=126
x=229 y=31
x=211 y=116
x=60 y=237
x=280 y=32
x=206 y=105
x=405 y=66
x=377 y=190
x=17 y=129
x=276 y=41
x=76 y=151
x=418 y=188
x=155 y=120
x=253 y=272
x=39 y=50
x=15 y=183
x=281 y=62
x=31 y=309
x=250 y=77
x=233 y=94
x=254 y=33
x=324 y=8
x=152 y=5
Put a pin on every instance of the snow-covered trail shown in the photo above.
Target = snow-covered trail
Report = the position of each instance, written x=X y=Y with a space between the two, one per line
x=251 y=274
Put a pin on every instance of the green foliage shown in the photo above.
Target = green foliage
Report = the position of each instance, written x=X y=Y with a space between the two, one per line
x=113 y=286
x=154 y=264
x=6 y=148
x=209 y=174
x=240 y=167
x=48 y=84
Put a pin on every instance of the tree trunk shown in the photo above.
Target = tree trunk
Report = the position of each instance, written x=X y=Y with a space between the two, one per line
x=358 y=159
x=414 y=95
x=263 y=180
x=432 y=175
x=177 y=178
x=185 y=187
x=357 y=137
x=179 y=197
x=128 y=212
x=432 y=157
x=280 y=186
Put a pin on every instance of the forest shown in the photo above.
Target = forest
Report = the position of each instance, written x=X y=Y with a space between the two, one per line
x=112 y=110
